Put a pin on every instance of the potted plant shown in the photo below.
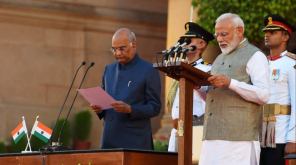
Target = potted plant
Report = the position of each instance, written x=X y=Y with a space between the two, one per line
x=19 y=147
x=2 y=147
x=82 y=130
x=161 y=142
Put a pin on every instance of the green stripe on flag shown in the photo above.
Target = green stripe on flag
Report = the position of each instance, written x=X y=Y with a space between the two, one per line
x=19 y=137
x=41 y=137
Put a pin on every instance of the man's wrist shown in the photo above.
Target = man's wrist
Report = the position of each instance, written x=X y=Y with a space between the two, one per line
x=130 y=110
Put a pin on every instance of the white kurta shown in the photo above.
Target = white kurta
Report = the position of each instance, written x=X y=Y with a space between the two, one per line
x=198 y=105
x=220 y=152
x=283 y=93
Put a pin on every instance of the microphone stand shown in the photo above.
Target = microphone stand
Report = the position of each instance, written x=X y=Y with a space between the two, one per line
x=59 y=146
x=184 y=56
x=51 y=138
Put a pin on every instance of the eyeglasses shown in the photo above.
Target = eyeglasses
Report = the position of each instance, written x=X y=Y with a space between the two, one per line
x=121 y=49
x=222 y=34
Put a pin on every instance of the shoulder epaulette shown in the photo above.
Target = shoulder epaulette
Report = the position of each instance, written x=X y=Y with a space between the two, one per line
x=206 y=63
x=291 y=55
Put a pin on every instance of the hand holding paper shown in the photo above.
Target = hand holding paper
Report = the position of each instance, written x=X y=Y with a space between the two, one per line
x=122 y=107
x=97 y=109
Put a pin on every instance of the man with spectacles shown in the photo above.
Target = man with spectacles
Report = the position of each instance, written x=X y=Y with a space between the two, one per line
x=279 y=132
x=199 y=38
x=136 y=85
x=240 y=85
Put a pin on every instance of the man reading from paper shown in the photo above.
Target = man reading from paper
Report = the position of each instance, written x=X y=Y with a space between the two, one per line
x=240 y=85
x=137 y=85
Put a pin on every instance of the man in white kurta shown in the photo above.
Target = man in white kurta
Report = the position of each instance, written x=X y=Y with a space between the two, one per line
x=199 y=38
x=229 y=31
x=282 y=88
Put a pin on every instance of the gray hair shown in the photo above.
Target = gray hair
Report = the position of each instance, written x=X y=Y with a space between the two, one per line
x=237 y=21
x=132 y=36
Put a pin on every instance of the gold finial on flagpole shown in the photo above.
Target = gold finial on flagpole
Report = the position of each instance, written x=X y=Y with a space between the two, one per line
x=191 y=14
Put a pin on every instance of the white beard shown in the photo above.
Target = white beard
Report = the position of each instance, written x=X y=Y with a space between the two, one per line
x=230 y=46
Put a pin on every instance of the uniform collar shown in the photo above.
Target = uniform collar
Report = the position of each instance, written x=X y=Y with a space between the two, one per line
x=270 y=58
x=130 y=64
x=200 y=60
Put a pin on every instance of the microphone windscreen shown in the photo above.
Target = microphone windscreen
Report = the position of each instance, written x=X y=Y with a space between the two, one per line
x=193 y=48
x=83 y=63
x=188 y=41
x=92 y=64
x=181 y=40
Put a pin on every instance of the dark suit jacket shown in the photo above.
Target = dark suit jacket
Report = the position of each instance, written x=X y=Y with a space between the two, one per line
x=137 y=84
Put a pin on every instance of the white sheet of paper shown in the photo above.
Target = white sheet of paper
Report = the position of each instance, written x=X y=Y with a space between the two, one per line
x=97 y=96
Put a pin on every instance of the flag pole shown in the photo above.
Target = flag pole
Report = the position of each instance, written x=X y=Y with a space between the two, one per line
x=191 y=14
x=32 y=132
x=26 y=132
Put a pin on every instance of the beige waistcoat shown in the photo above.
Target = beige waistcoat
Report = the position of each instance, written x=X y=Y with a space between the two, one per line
x=228 y=116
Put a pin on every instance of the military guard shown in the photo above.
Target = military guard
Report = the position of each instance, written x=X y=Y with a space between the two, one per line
x=278 y=131
x=199 y=38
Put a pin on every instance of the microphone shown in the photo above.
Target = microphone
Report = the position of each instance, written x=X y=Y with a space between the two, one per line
x=180 y=41
x=166 y=54
x=191 y=48
x=59 y=147
x=187 y=42
x=51 y=138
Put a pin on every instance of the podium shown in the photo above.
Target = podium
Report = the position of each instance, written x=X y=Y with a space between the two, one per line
x=92 y=157
x=188 y=76
x=290 y=159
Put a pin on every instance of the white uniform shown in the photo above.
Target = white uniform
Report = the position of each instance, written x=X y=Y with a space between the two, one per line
x=198 y=104
x=221 y=152
x=283 y=93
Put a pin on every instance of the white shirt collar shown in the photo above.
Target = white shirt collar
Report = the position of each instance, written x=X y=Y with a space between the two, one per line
x=199 y=61
x=243 y=41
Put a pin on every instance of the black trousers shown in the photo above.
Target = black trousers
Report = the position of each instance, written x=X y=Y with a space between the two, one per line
x=273 y=156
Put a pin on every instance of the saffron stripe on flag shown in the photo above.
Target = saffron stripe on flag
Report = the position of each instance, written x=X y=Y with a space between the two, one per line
x=17 y=129
x=37 y=134
x=43 y=127
x=18 y=133
x=19 y=137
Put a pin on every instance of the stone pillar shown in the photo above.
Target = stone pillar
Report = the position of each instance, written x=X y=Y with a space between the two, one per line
x=178 y=14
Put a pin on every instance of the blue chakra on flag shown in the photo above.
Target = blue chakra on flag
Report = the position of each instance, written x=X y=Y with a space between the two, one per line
x=18 y=133
x=42 y=132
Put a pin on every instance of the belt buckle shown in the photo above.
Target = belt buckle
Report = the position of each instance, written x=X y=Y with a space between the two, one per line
x=277 y=109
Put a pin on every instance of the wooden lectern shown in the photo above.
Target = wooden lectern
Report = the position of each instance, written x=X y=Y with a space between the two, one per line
x=188 y=76
x=290 y=159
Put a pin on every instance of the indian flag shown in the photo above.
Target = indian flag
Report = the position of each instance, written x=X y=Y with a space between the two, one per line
x=41 y=131
x=19 y=132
